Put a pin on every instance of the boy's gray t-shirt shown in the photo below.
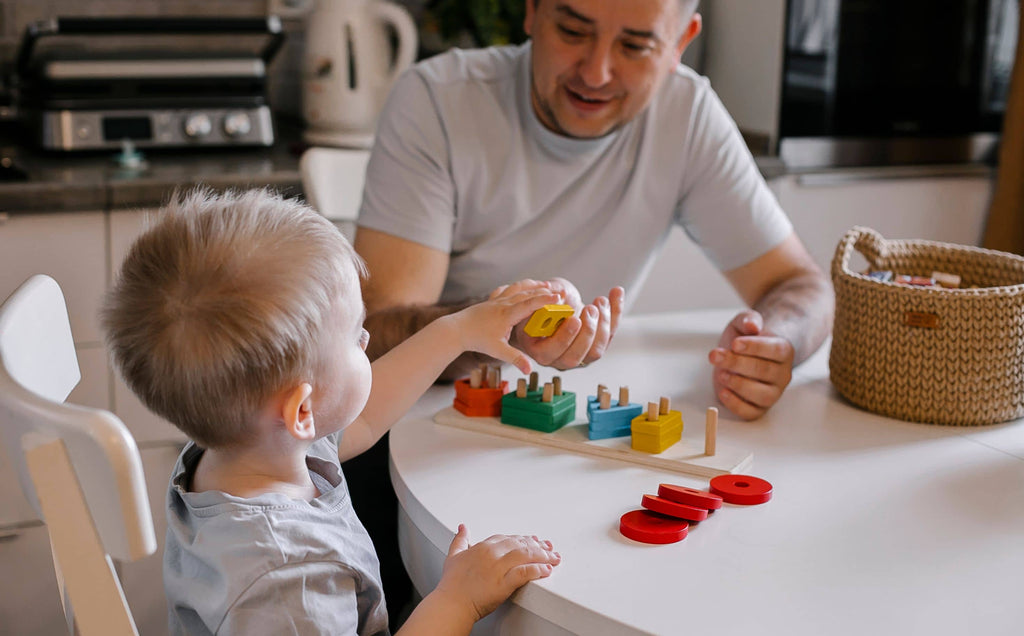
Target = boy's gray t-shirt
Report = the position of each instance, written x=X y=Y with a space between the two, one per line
x=270 y=564
x=461 y=164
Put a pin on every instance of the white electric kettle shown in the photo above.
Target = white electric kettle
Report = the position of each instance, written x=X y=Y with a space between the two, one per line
x=349 y=66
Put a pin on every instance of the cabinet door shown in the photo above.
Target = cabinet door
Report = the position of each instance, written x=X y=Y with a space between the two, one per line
x=29 y=600
x=146 y=427
x=823 y=208
x=71 y=248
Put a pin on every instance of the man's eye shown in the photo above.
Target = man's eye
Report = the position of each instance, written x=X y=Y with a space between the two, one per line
x=634 y=48
x=571 y=33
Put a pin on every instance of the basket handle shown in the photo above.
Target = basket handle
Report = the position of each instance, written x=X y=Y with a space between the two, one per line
x=863 y=239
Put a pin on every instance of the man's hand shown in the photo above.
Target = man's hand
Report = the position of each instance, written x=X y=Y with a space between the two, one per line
x=582 y=338
x=752 y=367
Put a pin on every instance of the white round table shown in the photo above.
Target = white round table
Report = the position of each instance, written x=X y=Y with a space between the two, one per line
x=877 y=526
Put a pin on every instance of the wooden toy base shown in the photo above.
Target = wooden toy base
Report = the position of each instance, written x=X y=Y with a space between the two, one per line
x=685 y=456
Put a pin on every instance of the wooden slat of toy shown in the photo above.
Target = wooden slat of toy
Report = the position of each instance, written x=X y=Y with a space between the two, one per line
x=686 y=457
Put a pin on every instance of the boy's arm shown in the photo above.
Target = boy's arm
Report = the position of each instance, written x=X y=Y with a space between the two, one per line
x=403 y=374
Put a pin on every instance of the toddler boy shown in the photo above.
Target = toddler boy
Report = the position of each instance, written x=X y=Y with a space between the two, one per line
x=238 y=318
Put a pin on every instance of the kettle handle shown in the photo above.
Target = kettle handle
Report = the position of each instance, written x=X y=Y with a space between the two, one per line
x=405 y=28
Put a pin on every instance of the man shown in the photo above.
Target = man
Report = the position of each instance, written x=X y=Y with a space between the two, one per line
x=573 y=156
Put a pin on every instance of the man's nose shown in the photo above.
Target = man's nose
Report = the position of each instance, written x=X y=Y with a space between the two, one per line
x=595 y=69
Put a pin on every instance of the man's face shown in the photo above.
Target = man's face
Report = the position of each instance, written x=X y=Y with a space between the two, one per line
x=597 y=63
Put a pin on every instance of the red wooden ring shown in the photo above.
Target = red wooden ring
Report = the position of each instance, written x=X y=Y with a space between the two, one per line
x=741 y=489
x=690 y=496
x=673 y=509
x=649 y=527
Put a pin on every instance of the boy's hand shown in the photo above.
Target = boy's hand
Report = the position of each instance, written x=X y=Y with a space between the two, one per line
x=478 y=578
x=581 y=339
x=752 y=366
x=485 y=327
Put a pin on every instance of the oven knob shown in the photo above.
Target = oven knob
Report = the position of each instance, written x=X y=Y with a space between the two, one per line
x=237 y=124
x=198 y=125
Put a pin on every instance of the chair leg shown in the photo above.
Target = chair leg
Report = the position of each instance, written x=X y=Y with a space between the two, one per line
x=88 y=574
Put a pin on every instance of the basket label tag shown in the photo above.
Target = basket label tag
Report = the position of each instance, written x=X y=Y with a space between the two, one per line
x=921 y=319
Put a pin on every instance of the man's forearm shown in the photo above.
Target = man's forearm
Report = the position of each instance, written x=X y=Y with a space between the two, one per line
x=390 y=327
x=800 y=310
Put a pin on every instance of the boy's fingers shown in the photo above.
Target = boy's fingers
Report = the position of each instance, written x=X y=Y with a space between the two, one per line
x=515 y=357
x=523 y=574
x=460 y=542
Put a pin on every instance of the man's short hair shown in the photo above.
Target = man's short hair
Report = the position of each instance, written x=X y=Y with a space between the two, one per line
x=224 y=302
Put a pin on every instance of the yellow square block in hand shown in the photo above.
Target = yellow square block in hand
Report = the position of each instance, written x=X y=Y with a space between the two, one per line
x=546 y=320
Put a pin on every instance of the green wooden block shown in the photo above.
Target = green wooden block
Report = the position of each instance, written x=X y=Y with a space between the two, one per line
x=530 y=412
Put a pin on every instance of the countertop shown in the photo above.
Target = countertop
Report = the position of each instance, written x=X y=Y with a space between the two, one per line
x=33 y=181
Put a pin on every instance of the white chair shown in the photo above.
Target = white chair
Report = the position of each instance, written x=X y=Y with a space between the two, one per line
x=78 y=467
x=332 y=179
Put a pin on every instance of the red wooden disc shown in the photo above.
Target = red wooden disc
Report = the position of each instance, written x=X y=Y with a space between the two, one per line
x=741 y=489
x=690 y=496
x=673 y=509
x=649 y=527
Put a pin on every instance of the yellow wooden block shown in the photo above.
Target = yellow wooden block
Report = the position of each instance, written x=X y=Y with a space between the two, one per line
x=655 y=437
x=547 y=319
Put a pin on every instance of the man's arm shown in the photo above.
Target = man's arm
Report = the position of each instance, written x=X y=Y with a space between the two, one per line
x=404 y=286
x=791 y=314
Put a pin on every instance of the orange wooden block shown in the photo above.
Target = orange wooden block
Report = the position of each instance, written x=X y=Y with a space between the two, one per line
x=482 y=402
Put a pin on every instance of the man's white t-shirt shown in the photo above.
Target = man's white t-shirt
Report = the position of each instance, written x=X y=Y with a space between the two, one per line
x=461 y=164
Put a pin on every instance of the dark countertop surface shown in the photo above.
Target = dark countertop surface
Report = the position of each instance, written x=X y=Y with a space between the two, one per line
x=33 y=181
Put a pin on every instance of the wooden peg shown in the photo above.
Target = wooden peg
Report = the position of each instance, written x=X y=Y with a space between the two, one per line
x=710 y=431
x=605 y=400
x=533 y=380
x=521 y=388
x=664 y=407
x=497 y=378
x=623 y=395
x=652 y=411
x=475 y=378
x=549 y=391
x=484 y=370
x=557 y=381
x=492 y=377
x=601 y=389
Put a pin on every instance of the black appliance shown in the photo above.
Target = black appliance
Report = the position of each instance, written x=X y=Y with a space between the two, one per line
x=91 y=83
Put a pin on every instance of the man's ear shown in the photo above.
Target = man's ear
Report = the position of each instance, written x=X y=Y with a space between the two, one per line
x=531 y=9
x=297 y=412
x=689 y=34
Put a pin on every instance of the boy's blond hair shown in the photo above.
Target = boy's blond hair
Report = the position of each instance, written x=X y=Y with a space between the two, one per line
x=224 y=302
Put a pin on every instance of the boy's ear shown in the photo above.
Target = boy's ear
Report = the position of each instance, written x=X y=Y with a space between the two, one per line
x=297 y=412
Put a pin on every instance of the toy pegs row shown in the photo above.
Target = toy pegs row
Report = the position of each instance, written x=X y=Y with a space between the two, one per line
x=546 y=320
x=479 y=395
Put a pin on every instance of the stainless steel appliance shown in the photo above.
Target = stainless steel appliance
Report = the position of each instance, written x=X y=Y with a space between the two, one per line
x=91 y=83
x=864 y=82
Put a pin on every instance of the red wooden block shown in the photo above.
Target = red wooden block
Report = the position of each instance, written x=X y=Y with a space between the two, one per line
x=650 y=527
x=484 y=396
x=690 y=496
x=673 y=509
x=741 y=489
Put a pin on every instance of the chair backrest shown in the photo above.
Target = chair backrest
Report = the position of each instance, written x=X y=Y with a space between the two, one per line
x=78 y=467
x=332 y=179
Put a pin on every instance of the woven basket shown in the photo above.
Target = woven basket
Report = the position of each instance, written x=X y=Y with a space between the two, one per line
x=929 y=354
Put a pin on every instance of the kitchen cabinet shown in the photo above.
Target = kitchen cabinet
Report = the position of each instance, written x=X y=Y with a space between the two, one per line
x=822 y=207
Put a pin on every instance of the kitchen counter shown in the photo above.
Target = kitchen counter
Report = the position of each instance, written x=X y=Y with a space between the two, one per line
x=55 y=182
